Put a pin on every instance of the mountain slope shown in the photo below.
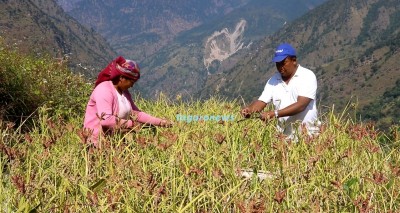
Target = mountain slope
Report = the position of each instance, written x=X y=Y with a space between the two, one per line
x=137 y=29
x=41 y=27
x=353 y=50
x=198 y=55
x=385 y=110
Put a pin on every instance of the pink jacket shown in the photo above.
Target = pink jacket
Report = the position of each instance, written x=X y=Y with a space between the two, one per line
x=104 y=101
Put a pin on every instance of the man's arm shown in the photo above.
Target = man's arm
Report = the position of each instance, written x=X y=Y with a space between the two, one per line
x=293 y=109
x=255 y=106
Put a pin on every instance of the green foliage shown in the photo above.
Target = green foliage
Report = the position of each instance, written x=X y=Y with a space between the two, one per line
x=385 y=109
x=28 y=82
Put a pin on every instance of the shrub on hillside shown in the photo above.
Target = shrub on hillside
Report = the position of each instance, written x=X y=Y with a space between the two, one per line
x=386 y=109
x=28 y=82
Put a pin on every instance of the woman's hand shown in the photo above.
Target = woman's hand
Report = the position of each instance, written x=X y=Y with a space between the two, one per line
x=166 y=123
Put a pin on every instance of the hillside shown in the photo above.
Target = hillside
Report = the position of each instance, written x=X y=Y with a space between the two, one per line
x=195 y=56
x=352 y=49
x=41 y=27
x=137 y=29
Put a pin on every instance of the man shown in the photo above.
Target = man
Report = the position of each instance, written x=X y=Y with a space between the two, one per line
x=292 y=91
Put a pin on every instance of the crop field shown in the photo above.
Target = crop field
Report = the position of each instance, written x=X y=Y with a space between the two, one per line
x=201 y=166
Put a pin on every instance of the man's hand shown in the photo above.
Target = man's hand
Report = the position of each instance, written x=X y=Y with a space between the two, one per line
x=266 y=116
x=256 y=106
x=245 y=112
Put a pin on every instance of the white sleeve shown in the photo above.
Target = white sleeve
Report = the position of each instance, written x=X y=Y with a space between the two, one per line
x=266 y=95
x=309 y=88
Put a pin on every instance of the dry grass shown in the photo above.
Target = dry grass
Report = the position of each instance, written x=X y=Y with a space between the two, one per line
x=197 y=167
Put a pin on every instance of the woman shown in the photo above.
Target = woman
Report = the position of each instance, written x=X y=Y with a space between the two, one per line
x=110 y=105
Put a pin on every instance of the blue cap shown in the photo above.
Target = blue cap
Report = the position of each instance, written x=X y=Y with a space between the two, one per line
x=283 y=51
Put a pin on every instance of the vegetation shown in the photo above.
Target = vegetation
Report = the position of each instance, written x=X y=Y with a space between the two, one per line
x=386 y=110
x=192 y=167
x=28 y=82
x=198 y=166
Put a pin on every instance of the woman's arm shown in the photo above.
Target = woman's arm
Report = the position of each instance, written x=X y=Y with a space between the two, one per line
x=106 y=109
x=145 y=118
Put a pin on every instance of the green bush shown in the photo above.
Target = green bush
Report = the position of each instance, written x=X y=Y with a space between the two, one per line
x=28 y=82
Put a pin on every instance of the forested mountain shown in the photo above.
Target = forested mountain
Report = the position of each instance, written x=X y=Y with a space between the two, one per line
x=41 y=27
x=198 y=55
x=138 y=29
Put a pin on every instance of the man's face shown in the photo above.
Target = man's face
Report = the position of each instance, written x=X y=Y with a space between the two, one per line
x=286 y=67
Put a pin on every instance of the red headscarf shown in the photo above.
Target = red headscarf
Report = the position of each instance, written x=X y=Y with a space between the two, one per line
x=119 y=66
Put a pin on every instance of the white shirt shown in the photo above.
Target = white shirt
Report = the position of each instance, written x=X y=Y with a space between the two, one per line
x=124 y=107
x=303 y=83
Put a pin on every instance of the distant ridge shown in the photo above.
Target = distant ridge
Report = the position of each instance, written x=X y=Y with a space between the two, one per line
x=42 y=27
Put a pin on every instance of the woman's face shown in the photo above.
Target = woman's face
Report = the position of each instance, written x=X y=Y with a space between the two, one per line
x=125 y=83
